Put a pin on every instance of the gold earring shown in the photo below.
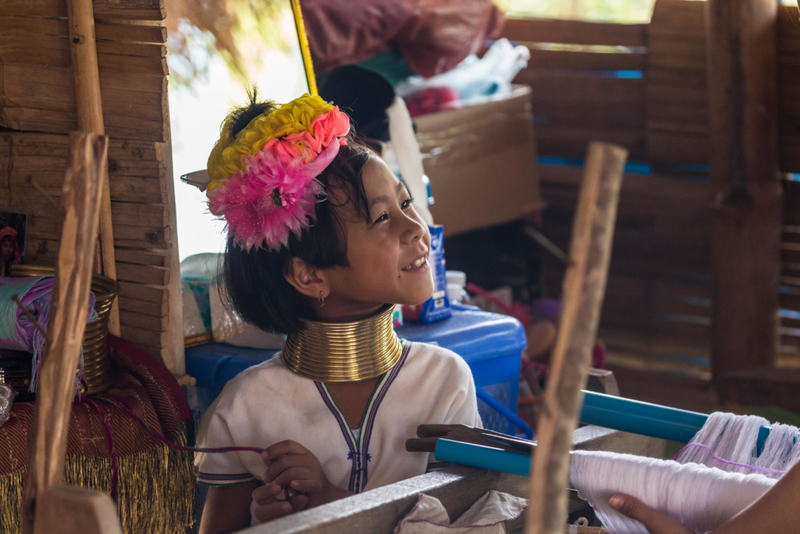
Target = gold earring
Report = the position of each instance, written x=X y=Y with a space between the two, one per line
x=321 y=299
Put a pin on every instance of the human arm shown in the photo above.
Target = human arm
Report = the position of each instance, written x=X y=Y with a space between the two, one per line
x=776 y=511
x=227 y=508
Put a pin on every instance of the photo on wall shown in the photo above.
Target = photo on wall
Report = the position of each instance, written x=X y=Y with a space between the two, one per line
x=13 y=231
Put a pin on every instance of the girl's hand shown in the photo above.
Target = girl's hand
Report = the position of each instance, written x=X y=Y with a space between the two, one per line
x=655 y=521
x=292 y=467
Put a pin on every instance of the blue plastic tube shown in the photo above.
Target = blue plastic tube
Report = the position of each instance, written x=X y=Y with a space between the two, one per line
x=647 y=419
x=483 y=457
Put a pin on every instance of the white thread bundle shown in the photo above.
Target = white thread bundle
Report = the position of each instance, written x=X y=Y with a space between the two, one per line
x=698 y=489
x=703 y=498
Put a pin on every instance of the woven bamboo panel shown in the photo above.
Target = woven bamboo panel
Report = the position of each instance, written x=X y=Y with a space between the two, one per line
x=677 y=97
x=658 y=300
x=37 y=109
x=576 y=95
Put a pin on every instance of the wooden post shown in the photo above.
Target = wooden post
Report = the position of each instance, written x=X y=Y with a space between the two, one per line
x=90 y=118
x=69 y=308
x=747 y=203
x=69 y=510
x=582 y=298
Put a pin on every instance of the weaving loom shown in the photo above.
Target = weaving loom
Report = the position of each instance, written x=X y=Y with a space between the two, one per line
x=729 y=463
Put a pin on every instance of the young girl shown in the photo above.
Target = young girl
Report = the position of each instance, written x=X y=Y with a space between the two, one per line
x=322 y=241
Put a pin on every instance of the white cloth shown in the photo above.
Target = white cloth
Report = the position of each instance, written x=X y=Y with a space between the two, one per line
x=269 y=403
x=488 y=515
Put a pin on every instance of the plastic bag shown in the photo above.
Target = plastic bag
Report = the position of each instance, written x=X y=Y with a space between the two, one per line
x=475 y=78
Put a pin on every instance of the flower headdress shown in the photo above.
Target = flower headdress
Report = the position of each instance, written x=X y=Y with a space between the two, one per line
x=263 y=178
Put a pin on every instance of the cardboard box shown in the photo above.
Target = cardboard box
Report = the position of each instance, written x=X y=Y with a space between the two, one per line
x=481 y=161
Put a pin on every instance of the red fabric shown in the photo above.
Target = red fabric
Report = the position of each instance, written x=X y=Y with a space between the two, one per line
x=432 y=35
x=142 y=384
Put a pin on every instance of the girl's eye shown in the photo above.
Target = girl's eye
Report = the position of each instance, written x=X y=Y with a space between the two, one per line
x=407 y=203
x=382 y=217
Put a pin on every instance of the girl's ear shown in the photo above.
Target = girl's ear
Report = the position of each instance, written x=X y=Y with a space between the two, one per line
x=308 y=280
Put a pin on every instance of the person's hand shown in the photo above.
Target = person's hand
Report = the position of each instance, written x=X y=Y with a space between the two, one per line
x=292 y=467
x=656 y=522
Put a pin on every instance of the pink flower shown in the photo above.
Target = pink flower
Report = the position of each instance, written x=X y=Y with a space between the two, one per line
x=330 y=125
x=274 y=195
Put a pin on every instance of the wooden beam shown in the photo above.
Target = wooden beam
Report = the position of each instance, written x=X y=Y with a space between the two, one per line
x=48 y=442
x=90 y=118
x=584 y=288
x=746 y=191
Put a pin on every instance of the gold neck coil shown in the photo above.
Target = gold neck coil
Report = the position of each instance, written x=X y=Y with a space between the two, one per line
x=344 y=352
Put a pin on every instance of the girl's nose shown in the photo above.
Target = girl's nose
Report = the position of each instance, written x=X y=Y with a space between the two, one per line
x=414 y=230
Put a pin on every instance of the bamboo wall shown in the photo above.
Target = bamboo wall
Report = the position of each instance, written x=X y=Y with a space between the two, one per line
x=658 y=300
x=37 y=110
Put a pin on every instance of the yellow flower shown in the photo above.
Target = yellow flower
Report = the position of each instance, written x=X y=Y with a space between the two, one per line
x=227 y=156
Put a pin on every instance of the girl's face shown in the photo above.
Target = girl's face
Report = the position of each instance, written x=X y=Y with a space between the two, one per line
x=388 y=255
x=7 y=249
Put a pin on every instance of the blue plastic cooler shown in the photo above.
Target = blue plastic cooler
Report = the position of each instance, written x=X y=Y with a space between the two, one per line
x=491 y=344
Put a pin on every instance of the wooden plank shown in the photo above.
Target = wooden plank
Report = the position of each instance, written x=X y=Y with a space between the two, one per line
x=143 y=274
x=140 y=190
x=580 y=60
x=140 y=257
x=142 y=292
x=564 y=141
x=788 y=30
x=677 y=148
x=132 y=214
x=25 y=50
x=143 y=307
x=575 y=32
x=746 y=223
x=104 y=31
x=103 y=9
x=143 y=336
x=111 y=79
x=50 y=121
x=598 y=117
x=789 y=153
x=572 y=88
x=144 y=322
x=677 y=18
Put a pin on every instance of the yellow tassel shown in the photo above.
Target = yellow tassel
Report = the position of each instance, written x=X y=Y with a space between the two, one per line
x=155 y=488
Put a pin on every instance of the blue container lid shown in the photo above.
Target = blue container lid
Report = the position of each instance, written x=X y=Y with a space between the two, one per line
x=472 y=333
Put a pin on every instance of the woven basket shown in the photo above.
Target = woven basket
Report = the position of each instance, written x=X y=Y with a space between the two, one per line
x=97 y=370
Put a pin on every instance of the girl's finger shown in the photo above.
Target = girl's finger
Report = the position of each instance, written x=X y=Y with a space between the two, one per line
x=265 y=494
x=293 y=473
x=299 y=502
x=283 y=463
x=310 y=485
x=272 y=511
x=280 y=449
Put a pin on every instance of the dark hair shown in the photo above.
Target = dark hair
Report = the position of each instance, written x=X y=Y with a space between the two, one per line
x=254 y=282
x=8 y=238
